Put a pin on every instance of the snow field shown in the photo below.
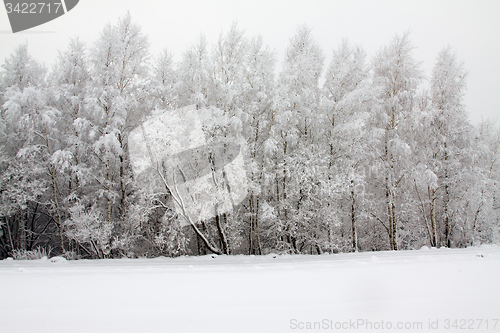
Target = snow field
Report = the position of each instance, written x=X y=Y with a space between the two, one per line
x=424 y=291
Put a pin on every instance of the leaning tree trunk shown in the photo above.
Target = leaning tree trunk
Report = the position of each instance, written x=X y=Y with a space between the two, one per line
x=180 y=202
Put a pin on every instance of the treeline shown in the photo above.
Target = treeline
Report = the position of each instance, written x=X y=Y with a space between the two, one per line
x=354 y=156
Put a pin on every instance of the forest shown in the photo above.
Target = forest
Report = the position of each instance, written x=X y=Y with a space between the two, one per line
x=363 y=153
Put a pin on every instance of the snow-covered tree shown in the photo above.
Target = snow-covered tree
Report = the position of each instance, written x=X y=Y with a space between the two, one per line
x=33 y=137
x=71 y=80
x=455 y=155
x=347 y=100
x=118 y=67
x=227 y=70
x=164 y=81
x=294 y=136
x=194 y=75
x=397 y=76
x=256 y=116
x=371 y=160
x=484 y=222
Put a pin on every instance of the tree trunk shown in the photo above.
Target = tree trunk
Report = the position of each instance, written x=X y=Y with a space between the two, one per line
x=122 y=183
x=52 y=173
x=250 y=229
x=432 y=197
x=56 y=204
x=353 y=222
x=222 y=235
x=257 y=231
x=394 y=227
x=180 y=202
x=108 y=200
x=447 y=227
x=253 y=234
x=9 y=234
x=389 y=215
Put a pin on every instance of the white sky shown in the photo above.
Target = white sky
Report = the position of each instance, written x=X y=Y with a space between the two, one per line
x=471 y=27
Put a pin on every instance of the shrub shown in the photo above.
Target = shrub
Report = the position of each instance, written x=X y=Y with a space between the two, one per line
x=35 y=254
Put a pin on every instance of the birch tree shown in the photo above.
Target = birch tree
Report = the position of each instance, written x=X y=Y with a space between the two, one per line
x=347 y=99
x=256 y=116
x=35 y=139
x=118 y=68
x=398 y=75
x=228 y=63
x=164 y=82
x=295 y=132
x=194 y=75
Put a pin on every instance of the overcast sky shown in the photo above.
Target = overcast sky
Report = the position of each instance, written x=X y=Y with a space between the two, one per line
x=470 y=27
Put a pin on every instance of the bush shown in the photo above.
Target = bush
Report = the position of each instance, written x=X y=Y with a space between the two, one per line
x=35 y=254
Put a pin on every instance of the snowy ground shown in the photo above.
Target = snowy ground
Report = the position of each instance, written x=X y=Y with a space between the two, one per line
x=414 y=291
